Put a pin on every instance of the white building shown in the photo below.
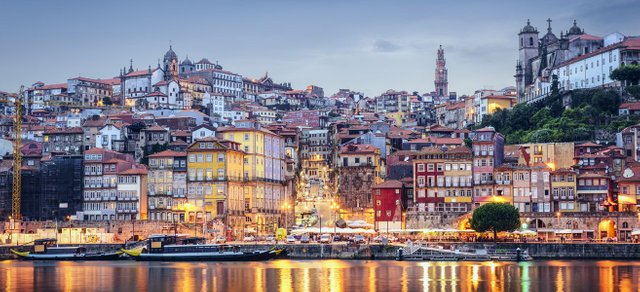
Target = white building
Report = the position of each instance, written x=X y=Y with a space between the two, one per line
x=214 y=102
x=132 y=194
x=202 y=131
x=138 y=84
x=107 y=135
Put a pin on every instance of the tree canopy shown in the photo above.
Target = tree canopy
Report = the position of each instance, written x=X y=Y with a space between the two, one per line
x=627 y=73
x=495 y=217
x=550 y=121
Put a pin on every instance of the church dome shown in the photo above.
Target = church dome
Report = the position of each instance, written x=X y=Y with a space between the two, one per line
x=218 y=66
x=187 y=62
x=575 y=30
x=170 y=55
x=528 y=28
x=549 y=38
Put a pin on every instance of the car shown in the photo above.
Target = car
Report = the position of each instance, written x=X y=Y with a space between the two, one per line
x=221 y=239
x=249 y=238
x=377 y=239
x=305 y=239
x=291 y=239
x=359 y=239
x=325 y=238
x=337 y=238
x=270 y=238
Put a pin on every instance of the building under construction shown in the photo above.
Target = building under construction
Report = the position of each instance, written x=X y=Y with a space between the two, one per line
x=52 y=191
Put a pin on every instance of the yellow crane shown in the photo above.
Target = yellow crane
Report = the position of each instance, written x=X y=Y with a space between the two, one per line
x=17 y=157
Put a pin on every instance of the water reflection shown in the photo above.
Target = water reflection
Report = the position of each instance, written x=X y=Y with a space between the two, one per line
x=329 y=275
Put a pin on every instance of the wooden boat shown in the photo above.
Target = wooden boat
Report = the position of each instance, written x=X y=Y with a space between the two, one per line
x=45 y=249
x=172 y=248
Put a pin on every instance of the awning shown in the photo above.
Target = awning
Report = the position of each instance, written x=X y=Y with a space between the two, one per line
x=635 y=232
x=569 y=231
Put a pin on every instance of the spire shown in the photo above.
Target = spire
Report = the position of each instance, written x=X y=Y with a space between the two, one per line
x=549 y=23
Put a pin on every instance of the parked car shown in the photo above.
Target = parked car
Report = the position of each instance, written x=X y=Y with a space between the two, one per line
x=305 y=239
x=270 y=238
x=249 y=238
x=337 y=238
x=359 y=239
x=325 y=238
x=291 y=239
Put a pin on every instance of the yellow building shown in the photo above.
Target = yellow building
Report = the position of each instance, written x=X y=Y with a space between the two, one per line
x=264 y=163
x=398 y=117
x=215 y=182
x=555 y=155
x=563 y=190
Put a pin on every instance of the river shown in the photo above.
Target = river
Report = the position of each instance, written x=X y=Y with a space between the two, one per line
x=325 y=275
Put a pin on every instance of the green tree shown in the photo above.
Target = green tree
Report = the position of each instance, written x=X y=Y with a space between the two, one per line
x=107 y=101
x=495 y=217
x=630 y=74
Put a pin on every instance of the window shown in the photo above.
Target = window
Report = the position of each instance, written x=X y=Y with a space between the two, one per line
x=421 y=167
x=220 y=157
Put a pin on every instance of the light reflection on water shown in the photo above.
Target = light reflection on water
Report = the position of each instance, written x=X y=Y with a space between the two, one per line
x=327 y=275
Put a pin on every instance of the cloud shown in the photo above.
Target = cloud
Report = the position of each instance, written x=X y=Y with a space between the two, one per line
x=384 y=46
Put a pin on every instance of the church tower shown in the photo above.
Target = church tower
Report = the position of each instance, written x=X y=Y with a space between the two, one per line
x=170 y=64
x=441 y=83
x=528 y=49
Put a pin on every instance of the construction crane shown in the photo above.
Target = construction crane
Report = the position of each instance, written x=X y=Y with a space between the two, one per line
x=17 y=157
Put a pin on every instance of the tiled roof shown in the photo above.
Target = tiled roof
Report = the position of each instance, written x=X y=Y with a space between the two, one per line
x=169 y=153
x=74 y=130
x=390 y=184
x=358 y=148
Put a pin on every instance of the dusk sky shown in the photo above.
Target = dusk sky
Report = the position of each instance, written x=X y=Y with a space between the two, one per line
x=367 y=46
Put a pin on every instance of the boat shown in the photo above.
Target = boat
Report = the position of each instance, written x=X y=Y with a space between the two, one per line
x=46 y=249
x=174 y=248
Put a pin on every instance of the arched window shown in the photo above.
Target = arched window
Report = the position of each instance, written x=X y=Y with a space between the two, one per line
x=521 y=42
x=625 y=225
x=531 y=41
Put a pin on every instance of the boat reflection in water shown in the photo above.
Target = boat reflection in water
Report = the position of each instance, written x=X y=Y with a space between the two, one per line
x=327 y=275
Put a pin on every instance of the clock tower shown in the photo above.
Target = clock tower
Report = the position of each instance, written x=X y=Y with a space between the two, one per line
x=441 y=83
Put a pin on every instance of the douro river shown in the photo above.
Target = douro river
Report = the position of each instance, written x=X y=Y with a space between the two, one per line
x=325 y=275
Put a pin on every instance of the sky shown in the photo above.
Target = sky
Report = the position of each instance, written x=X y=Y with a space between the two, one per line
x=363 y=45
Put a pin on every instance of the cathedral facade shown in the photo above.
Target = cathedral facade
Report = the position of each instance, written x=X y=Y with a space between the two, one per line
x=538 y=56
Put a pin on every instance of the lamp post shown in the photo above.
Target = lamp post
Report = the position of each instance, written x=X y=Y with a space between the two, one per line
x=285 y=209
x=335 y=207
x=558 y=216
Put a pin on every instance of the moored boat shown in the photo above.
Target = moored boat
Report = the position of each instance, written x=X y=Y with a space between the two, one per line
x=172 y=248
x=45 y=249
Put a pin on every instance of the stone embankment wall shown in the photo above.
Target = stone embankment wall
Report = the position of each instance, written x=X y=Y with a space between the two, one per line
x=615 y=251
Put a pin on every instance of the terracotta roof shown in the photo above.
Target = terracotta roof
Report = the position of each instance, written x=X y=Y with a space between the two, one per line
x=633 y=106
x=181 y=133
x=390 y=184
x=140 y=73
x=589 y=144
x=74 y=130
x=169 y=153
x=155 y=128
x=134 y=171
x=358 y=148
x=629 y=43
x=52 y=86
x=156 y=93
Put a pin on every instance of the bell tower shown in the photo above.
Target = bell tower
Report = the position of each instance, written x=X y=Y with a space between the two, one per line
x=441 y=83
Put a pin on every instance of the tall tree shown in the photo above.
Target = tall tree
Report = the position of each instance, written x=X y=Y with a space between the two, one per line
x=495 y=217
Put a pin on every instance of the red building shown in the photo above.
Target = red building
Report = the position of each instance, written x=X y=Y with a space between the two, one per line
x=387 y=206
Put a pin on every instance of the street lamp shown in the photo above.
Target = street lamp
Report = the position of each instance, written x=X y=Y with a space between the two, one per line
x=335 y=207
x=285 y=209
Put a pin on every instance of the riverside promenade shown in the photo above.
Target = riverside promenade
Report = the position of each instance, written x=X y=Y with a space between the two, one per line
x=612 y=251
